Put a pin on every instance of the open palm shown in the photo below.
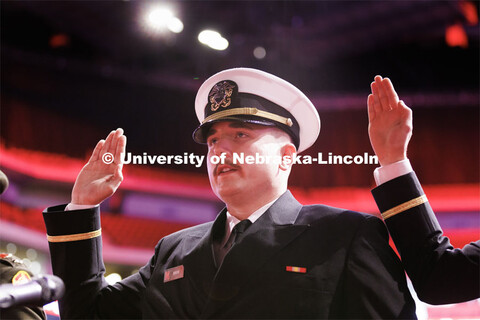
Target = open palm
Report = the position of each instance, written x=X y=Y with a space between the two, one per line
x=99 y=178
x=390 y=122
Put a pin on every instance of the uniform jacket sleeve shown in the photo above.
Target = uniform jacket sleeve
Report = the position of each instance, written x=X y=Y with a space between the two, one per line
x=80 y=265
x=375 y=285
x=440 y=274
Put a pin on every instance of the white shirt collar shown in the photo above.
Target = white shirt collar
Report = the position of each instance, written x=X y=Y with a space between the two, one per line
x=232 y=221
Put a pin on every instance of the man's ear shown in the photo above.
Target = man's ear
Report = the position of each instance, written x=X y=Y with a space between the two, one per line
x=288 y=152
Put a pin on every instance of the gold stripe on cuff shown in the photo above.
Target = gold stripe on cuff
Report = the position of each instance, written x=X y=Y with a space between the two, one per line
x=75 y=237
x=249 y=111
x=404 y=206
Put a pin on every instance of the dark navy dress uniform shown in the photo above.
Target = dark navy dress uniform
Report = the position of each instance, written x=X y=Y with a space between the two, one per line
x=346 y=269
x=293 y=262
x=440 y=274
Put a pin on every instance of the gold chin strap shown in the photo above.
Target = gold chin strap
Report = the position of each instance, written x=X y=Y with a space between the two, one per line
x=404 y=206
x=249 y=111
x=75 y=237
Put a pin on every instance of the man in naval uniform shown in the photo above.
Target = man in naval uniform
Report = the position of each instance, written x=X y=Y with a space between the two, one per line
x=265 y=255
x=440 y=273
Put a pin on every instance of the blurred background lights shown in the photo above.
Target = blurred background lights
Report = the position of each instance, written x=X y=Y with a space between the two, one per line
x=32 y=254
x=11 y=248
x=113 y=278
x=160 y=19
x=36 y=267
x=213 y=39
x=469 y=11
x=259 y=53
x=175 y=25
x=27 y=262
x=207 y=36
x=455 y=36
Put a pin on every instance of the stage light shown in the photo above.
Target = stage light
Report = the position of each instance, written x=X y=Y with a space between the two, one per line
x=455 y=36
x=470 y=12
x=175 y=25
x=213 y=39
x=259 y=53
x=207 y=36
x=219 y=44
x=159 y=19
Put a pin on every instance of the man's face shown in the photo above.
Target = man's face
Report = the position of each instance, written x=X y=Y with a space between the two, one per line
x=229 y=137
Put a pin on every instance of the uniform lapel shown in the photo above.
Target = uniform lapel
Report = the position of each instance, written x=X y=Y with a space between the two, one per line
x=199 y=263
x=270 y=233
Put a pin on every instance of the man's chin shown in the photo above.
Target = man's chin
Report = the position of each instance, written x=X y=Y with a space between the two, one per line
x=228 y=191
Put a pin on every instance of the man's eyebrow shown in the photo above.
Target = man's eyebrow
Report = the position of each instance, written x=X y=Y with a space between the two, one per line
x=233 y=124
x=210 y=132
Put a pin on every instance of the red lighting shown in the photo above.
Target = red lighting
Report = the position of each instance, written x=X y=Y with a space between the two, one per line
x=470 y=12
x=455 y=36
x=59 y=40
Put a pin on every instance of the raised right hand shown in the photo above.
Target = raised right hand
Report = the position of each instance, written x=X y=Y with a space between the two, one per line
x=99 y=179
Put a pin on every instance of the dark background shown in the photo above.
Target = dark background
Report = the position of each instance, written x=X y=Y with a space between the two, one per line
x=111 y=72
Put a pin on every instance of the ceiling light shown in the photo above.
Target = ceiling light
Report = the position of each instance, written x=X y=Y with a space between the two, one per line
x=158 y=18
x=213 y=39
x=175 y=25
x=206 y=36
x=161 y=19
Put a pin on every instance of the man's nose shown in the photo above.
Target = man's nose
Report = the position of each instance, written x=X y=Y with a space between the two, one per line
x=223 y=145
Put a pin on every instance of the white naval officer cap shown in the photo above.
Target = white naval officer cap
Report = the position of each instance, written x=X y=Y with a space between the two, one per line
x=250 y=95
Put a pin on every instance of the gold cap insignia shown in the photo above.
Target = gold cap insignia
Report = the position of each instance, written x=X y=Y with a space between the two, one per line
x=220 y=95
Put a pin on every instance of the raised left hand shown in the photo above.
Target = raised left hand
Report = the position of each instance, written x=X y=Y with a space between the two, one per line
x=390 y=122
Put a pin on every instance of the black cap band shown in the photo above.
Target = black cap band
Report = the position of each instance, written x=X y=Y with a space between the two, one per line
x=251 y=108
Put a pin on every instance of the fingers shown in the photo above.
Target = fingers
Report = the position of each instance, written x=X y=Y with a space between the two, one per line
x=406 y=111
x=118 y=133
x=120 y=149
x=385 y=97
x=118 y=178
x=377 y=106
x=392 y=96
x=96 y=151
x=371 y=107
x=107 y=144
x=382 y=95
x=111 y=142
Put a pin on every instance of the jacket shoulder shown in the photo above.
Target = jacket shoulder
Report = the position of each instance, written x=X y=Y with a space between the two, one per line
x=339 y=220
x=319 y=212
x=197 y=231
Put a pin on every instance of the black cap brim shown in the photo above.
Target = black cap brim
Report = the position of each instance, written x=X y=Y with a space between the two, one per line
x=200 y=133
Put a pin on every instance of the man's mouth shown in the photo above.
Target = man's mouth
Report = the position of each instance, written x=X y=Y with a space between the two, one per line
x=223 y=169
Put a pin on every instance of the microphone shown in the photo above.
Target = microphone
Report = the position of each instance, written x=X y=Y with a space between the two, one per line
x=3 y=182
x=39 y=291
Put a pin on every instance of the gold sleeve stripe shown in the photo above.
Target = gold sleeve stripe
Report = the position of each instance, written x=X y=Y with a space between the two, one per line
x=249 y=111
x=404 y=206
x=75 y=237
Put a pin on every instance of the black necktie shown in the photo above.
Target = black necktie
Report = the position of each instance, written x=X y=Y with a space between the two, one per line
x=221 y=251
